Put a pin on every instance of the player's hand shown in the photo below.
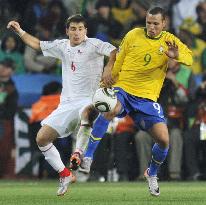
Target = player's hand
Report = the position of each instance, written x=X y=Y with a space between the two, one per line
x=107 y=77
x=172 y=51
x=14 y=26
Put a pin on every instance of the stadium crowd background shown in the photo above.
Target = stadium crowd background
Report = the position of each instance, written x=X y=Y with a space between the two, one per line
x=29 y=83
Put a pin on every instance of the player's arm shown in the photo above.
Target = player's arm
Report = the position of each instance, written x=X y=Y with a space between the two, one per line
x=120 y=58
x=107 y=74
x=28 y=39
x=179 y=51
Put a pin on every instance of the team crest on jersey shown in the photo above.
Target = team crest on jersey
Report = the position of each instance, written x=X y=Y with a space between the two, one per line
x=161 y=50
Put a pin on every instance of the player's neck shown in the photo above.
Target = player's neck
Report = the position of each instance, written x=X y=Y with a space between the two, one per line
x=155 y=37
x=75 y=45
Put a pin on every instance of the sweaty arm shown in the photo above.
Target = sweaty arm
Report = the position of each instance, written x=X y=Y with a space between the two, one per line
x=28 y=39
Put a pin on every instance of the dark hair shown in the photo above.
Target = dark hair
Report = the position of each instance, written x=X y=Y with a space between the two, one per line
x=77 y=18
x=157 y=10
x=5 y=38
x=101 y=3
x=199 y=7
x=52 y=87
x=8 y=63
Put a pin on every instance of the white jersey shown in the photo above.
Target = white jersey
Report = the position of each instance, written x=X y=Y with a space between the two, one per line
x=82 y=65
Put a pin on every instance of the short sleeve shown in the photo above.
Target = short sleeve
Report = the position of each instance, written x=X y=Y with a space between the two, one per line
x=51 y=48
x=104 y=48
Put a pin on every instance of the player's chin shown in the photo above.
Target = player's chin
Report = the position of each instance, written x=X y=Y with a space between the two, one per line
x=77 y=41
x=151 y=34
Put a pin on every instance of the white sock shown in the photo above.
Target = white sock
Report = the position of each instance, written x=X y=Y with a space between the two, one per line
x=82 y=137
x=52 y=156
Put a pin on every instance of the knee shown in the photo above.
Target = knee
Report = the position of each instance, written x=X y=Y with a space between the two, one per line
x=41 y=140
x=164 y=141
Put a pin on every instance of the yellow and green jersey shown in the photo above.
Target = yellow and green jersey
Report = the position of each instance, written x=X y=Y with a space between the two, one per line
x=141 y=63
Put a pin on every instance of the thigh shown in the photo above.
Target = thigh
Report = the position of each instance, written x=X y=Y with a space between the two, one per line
x=66 y=117
x=144 y=121
x=155 y=125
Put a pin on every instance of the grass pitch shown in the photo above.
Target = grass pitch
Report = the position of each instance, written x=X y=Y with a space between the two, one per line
x=135 y=193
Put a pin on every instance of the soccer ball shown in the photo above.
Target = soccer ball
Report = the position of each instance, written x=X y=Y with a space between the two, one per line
x=104 y=99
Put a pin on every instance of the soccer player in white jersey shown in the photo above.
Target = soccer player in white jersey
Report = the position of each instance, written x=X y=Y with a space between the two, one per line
x=82 y=66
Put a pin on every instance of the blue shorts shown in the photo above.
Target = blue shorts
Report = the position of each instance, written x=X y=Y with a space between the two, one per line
x=144 y=112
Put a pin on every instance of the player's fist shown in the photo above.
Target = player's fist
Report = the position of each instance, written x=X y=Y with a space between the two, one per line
x=14 y=26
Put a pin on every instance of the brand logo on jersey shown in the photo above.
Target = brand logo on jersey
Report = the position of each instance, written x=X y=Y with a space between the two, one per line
x=161 y=50
x=79 y=51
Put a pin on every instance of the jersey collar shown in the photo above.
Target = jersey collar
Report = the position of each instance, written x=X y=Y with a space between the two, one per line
x=155 y=38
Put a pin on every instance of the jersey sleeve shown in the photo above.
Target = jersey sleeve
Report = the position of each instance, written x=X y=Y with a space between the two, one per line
x=51 y=48
x=185 y=54
x=104 y=48
x=120 y=56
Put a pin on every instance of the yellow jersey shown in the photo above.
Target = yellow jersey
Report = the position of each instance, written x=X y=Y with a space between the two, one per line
x=141 y=63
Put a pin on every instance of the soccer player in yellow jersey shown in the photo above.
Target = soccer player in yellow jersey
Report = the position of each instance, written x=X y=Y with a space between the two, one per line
x=137 y=76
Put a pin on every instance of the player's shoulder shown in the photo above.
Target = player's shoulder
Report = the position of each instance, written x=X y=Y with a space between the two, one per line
x=168 y=36
x=61 y=41
x=56 y=42
x=96 y=43
x=93 y=41
x=135 y=32
x=138 y=30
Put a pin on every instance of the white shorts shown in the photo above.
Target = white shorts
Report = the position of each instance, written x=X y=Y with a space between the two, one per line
x=66 y=117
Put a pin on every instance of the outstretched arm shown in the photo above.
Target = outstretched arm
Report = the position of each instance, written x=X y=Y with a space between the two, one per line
x=28 y=39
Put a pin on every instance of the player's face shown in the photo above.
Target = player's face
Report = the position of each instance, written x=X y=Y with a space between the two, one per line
x=5 y=72
x=154 y=24
x=76 y=32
